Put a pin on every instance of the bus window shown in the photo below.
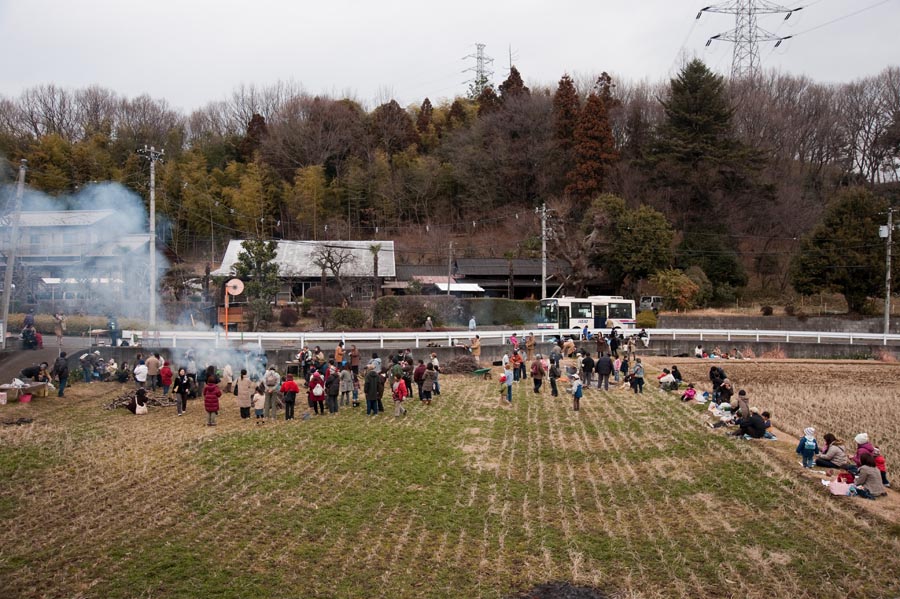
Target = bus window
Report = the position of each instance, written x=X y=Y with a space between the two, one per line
x=549 y=313
x=618 y=311
x=582 y=310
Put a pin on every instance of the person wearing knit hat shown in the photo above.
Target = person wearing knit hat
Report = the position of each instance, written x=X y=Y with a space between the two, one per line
x=863 y=446
x=808 y=447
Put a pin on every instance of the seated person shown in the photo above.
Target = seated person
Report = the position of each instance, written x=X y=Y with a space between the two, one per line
x=689 y=393
x=123 y=373
x=833 y=455
x=767 y=420
x=138 y=403
x=677 y=374
x=667 y=381
x=868 y=481
x=754 y=426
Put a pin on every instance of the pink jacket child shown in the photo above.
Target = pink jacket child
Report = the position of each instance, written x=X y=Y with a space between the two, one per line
x=862 y=446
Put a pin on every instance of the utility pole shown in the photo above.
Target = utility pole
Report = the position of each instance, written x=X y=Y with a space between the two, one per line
x=887 y=272
x=542 y=212
x=449 y=266
x=154 y=156
x=746 y=34
x=11 y=252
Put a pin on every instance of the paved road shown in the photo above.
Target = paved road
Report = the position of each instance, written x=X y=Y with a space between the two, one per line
x=12 y=363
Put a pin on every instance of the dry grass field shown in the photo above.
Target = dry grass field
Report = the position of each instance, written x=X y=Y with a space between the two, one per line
x=632 y=495
x=842 y=397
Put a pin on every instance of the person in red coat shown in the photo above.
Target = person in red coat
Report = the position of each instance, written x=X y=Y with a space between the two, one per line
x=290 y=390
x=211 y=395
x=317 y=392
x=165 y=375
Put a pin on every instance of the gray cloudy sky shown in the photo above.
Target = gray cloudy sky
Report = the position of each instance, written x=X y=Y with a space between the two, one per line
x=194 y=51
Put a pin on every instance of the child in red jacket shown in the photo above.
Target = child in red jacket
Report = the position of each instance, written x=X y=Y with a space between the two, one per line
x=879 y=463
x=289 y=390
x=165 y=376
x=211 y=395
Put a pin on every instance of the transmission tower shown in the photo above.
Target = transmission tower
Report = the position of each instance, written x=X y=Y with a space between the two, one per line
x=747 y=34
x=482 y=70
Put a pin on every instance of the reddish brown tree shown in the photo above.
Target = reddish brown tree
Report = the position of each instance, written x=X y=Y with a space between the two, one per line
x=392 y=128
x=256 y=132
x=488 y=101
x=513 y=86
x=565 y=113
x=457 y=114
x=425 y=118
x=595 y=148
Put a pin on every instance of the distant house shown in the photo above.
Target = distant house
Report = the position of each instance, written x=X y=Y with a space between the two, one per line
x=299 y=272
x=84 y=260
x=490 y=277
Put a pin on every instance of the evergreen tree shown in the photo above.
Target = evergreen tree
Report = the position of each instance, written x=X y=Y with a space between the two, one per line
x=257 y=267
x=566 y=107
x=256 y=132
x=844 y=253
x=595 y=149
x=457 y=114
x=487 y=101
x=392 y=128
x=425 y=119
x=513 y=86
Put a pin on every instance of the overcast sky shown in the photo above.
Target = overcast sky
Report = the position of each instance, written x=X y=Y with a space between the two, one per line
x=194 y=51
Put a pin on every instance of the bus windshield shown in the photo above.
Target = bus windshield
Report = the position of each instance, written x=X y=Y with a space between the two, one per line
x=549 y=312
x=622 y=310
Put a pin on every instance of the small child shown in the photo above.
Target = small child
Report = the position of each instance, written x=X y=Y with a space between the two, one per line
x=808 y=447
x=355 y=390
x=767 y=423
x=879 y=463
x=689 y=393
x=507 y=379
x=259 y=404
x=577 y=392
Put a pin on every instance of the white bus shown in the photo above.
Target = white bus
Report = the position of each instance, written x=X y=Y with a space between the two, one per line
x=595 y=311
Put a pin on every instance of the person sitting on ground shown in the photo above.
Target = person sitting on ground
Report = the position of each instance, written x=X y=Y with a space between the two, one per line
x=138 y=403
x=741 y=407
x=676 y=374
x=753 y=427
x=735 y=354
x=868 y=481
x=37 y=373
x=767 y=420
x=863 y=447
x=833 y=455
x=698 y=351
x=689 y=393
x=666 y=380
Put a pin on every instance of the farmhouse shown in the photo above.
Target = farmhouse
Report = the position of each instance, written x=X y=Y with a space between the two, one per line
x=304 y=264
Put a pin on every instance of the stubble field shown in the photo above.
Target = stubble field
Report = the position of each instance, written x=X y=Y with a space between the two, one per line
x=633 y=495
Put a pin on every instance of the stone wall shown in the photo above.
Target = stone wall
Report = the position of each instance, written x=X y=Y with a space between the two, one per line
x=778 y=323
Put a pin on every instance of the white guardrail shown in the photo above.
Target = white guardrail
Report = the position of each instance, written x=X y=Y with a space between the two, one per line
x=451 y=338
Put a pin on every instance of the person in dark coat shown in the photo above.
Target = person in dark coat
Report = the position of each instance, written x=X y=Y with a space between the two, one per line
x=332 y=389
x=61 y=372
x=372 y=389
x=604 y=368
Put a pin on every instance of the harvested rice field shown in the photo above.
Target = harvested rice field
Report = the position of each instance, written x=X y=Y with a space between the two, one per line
x=633 y=496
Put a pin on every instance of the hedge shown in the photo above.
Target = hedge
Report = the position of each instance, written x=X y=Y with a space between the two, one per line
x=410 y=311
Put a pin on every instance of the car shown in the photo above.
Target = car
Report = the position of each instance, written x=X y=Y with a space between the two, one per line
x=651 y=302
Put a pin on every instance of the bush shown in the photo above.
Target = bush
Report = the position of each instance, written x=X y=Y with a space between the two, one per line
x=493 y=311
x=767 y=311
x=288 y=317
x=347 y=318
x=306 y=307
x=646 y=319
x=790 y=310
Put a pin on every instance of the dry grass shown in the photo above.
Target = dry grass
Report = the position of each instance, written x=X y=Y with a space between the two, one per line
x=633 y=495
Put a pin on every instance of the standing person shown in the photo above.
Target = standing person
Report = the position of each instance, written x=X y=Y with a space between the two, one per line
x=604 y=368
x=375 y=363
x=614 y=345
x=553 y=374
x=346 y=384
x=370 y=390
x=419 y=377
x=429 y=326
x=602 y=345
x=271 y=385
x=515 y=362
x=61 y=372
x=112 y=325
x=211 y=395
x=332 y=388
x=529 y=346
x=427 y=385
x=637 y=376
x=289 y=390
x=354 y=360
x=259 y=403
x=339 y=354
x=537 y=373
x=165 y=377
x=181 y=389
x=514 y=341
x=317 y=393
x=808 y=447
x=243 y=389
x=399 y=393
x=508 y=378
x=153 y=365
x=587 y=366
x=437 y=373
x=227 y=377
x=476 y=345
x=472 y=323
x=624 y=367
x=140 y=374
x=59 y=327
x=87 y=369
x=577 y=392
x=191 y=369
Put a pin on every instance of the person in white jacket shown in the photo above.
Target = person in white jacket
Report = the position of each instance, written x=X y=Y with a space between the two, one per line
x=140 y=374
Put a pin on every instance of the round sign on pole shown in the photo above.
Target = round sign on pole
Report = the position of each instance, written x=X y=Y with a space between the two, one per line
x=234 y=287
